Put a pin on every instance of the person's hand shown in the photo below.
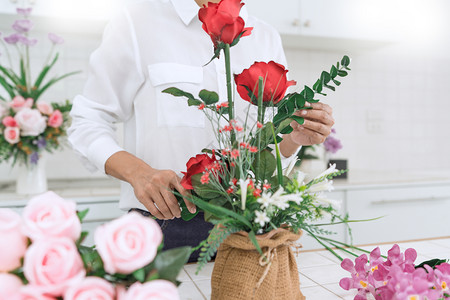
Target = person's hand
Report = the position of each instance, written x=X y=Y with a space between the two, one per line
x=153 y=188
x=317 y=125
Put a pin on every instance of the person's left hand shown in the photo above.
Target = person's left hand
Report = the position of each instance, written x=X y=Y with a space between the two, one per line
x=317 y=125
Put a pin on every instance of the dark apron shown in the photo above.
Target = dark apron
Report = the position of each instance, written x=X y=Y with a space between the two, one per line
x=178 y=233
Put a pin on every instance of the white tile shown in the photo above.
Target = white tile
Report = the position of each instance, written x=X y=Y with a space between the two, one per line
x=336 y=289
x=424 y=247
x=305 y=281
x=328 y=255
x=311 y=259
x=325 y=274
x=205 y=287
x=204 y=274
x=318 y=293
x=441 y=242
x=188 y=291
x=183 y=276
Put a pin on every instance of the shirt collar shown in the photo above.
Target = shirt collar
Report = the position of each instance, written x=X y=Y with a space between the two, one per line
x=187 y=10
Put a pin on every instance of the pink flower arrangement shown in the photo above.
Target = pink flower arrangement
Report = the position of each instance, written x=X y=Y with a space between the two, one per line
x=42 y=256
x=27 y=127
x=395 y=278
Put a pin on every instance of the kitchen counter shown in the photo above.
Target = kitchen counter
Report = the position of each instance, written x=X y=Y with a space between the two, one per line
x=319 y=271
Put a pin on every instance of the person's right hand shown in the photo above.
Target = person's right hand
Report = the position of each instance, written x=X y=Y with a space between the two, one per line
x=153 y=189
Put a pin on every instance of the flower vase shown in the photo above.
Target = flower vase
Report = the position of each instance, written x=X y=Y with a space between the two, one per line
x=32 y=178
x=241 y=273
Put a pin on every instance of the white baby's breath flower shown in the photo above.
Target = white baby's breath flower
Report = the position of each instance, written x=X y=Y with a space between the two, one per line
x=243 y=184
x=265 y=200
x=261 y=218
x=297 y=197
x=326 y=185
x=282 y=203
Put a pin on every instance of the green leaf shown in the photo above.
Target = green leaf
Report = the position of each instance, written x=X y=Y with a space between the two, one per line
x=287 y=129
x=186 y=215
x=45 y=71
x=82 y=214
x=345 y=61
x=282 y=125
x=216 y=55
x=208 y=97
x=432 y=263
x=318 y=87
x=342 y=73
x=252 y=237
x=299 y=120
x=337 y=82
x=333 y=72
x=219 y=211
x=325 y=77
x=178 y=93
x=207 y=191
x=38 y=93
x=92 y=261
x=139 y=274
x=83 y=236
x=170 y=262
x=308 y=93
x=266 y=166
x=330 y=87
x=9 y=89
x=194 y=102
x=299 y=100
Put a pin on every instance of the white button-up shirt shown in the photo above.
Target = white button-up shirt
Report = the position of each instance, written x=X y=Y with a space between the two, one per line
x=150 y=46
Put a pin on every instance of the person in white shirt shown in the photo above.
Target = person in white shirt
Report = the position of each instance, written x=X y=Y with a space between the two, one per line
x=150 y=46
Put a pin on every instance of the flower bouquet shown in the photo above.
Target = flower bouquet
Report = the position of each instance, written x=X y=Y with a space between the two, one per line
x=240 y=185
x=42 y=256
x=28 y=125
x=396 y=277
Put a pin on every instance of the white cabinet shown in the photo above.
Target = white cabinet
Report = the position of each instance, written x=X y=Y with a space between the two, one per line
x=408 y=212
x=284 y=15
x=327 y=23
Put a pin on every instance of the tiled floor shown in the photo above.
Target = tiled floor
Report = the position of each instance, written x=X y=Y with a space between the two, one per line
x=320 y=271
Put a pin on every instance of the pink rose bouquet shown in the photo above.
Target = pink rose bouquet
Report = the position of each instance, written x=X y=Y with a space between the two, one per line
x=43 y=257
x=28 y=126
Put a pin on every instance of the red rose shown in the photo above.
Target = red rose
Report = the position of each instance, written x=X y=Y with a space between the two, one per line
x=196 y=165
x=275 y=81
x=222 y=21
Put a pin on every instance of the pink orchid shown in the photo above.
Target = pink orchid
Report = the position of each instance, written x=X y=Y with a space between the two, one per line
x=359 y=279
x=442 y=273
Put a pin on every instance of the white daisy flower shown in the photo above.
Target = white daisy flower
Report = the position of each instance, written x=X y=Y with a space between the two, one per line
x=265 y=200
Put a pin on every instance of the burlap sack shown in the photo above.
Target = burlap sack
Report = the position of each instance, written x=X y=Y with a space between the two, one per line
x=240 y=273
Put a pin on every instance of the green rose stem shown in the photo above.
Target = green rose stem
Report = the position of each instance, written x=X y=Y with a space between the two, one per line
x=277 y=152
x=226 y=51
x=260 y=120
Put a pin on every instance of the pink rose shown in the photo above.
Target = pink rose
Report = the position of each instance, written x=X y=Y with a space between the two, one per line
x=19 y=102
x=9 y=122
x=90 y=288
x=52 y=265
x=12 y=135
x=48 y=215
x=31 y=122
x=13 y=243
x=56 y=119
x=128 y=243
x=30 y=292
x=44 y=108
x=9 y=285
x=153 y=290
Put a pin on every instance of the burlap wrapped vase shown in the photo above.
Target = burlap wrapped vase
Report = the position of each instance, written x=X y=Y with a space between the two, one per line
x=240 y=273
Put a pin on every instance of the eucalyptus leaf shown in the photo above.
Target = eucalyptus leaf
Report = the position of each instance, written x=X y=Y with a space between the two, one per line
x=308 y=93
x=345 y=61
x=333 y=72
x=178 y=93
x=194 y=102
x=342 y=73
x=299 y=120
x=318 y=87
x=325 y=77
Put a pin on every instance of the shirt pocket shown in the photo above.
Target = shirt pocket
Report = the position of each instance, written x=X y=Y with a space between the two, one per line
x=174 y=111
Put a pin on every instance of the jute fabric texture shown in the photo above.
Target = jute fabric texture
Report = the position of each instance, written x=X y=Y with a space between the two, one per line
x=240 y=273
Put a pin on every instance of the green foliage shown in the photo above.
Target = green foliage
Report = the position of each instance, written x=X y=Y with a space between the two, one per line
x=186 y=215
x=266 y=166
x=208 y=97
x=170 y=262
x=433 y=263
x=92 y=261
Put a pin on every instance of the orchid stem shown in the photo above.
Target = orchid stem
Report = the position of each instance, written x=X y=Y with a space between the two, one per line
x=260 y=120
x=226 y=51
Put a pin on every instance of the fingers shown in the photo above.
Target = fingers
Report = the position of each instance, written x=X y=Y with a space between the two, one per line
x=149 y=204
x=162 y=206
x=185 y=193
x=171 y=202
x=318 y=115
